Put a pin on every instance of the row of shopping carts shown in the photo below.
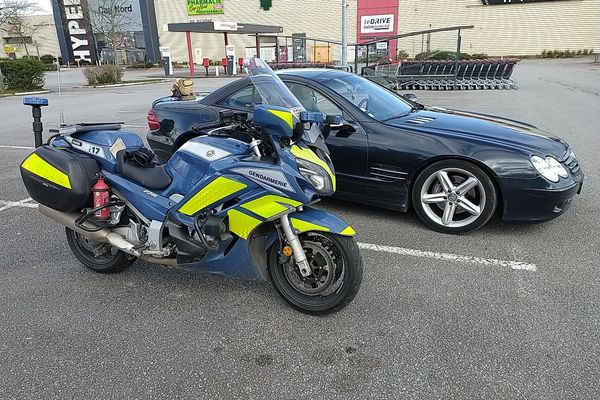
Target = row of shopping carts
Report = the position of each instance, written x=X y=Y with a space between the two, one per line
x=446 y=74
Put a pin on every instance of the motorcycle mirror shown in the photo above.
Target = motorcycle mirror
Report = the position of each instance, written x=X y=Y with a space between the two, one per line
x=313 y=117
x=333 y=119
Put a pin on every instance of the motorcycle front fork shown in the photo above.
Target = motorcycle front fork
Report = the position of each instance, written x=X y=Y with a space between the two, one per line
x=294 y=242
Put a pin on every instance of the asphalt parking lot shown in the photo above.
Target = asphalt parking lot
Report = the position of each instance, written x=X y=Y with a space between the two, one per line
x=507 y=312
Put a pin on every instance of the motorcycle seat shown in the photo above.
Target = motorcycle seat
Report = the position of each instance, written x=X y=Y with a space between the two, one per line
x=152 y=177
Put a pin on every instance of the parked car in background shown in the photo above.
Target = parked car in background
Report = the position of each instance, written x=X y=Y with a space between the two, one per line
x=456 y=169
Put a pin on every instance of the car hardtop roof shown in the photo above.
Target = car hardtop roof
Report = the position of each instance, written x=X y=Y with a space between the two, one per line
x=313 y=73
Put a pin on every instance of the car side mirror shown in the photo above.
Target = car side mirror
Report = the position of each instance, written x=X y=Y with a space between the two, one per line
x=343 y=129
x=410 y=97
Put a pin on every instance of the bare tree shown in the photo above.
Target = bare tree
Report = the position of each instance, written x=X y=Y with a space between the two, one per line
x=9 y=9
x=18 y=26
x=112 y=20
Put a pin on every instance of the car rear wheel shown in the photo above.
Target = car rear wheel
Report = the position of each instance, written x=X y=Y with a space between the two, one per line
x=454 y=196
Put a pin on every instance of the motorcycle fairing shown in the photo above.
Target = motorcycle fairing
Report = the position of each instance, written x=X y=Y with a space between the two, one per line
x=254 y=250
x=277 y=121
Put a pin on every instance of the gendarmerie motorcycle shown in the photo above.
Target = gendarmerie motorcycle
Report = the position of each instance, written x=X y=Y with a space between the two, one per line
x=235 y=202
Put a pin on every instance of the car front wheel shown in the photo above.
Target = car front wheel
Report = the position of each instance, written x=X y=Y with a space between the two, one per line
x=454 y=196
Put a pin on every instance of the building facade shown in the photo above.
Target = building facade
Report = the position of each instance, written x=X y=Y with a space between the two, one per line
x=501 y=27
x=507 y=27
x=315 y=19
x=37 y=37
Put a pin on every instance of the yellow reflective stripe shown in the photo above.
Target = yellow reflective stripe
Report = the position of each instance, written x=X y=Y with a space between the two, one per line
x=40 y=167
x=216 y=190
x=269 y=205
x=241 y=224
x=348 y=231
x=303 y=226
x=309 y=155
x=284 y=115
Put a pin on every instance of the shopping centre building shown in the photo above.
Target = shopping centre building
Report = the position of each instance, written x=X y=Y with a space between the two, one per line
x=500 y=27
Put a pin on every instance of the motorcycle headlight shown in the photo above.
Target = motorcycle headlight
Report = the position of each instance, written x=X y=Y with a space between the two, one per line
x=316 y=175
x=549 y=168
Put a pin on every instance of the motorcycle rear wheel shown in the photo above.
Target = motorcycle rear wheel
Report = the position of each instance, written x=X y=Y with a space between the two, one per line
x=105 y=259
x=336 y=278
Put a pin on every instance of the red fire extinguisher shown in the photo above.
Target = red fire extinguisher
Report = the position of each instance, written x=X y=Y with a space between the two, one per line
x=101 y=198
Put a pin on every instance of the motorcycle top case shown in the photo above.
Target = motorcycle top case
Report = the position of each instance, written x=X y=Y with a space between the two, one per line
x=59 y=179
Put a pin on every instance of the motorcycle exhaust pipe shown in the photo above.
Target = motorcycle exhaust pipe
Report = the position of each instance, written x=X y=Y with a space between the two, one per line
x=68 y=219
x=104 y=235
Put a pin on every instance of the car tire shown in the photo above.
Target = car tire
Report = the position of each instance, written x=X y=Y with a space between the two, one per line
x=454 y=196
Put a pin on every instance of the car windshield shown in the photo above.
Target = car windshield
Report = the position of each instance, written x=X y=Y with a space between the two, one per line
x=372 y=99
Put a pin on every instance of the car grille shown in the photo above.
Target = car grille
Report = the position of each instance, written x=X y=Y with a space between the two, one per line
x=572 y=163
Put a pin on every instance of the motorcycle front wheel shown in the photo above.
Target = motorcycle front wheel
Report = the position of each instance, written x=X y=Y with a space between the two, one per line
x=336 y=273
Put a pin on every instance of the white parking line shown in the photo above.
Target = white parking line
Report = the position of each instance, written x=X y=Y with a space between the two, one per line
x=21 y=203
x=517 y=265
x=15 y=147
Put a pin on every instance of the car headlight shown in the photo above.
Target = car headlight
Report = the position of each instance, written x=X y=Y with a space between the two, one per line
x=316 y=175
x=549 y=168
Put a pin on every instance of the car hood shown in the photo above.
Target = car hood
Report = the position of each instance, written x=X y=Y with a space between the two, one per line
x=486 y=127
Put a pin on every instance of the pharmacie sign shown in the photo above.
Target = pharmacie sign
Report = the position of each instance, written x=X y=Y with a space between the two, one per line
x=204 y=7
x=377 y=23
x=78 y=31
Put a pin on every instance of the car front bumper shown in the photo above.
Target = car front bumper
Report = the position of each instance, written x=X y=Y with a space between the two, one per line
x=523 y=202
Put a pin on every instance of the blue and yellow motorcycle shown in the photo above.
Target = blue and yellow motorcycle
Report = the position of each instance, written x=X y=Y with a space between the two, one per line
x=235 y=202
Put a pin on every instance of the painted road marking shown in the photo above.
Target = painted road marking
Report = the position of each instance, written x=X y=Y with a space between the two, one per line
x=21 y=203
x=516 y=265
x=16 y=147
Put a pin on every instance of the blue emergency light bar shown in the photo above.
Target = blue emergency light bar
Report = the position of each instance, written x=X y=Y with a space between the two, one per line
x=315 y=117
x=35 y=101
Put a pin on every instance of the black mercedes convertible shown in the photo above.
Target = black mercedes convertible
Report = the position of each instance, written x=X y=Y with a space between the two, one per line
x=455 y=169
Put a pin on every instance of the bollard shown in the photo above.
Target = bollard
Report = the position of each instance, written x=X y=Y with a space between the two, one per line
x=36 y=104
x=224 y=64
x=206 y=64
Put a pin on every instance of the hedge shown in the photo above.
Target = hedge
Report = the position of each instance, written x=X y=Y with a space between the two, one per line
x=103 y=74
x=23 y=74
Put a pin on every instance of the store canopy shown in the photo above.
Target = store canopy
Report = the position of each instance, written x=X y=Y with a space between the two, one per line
x=224 y=27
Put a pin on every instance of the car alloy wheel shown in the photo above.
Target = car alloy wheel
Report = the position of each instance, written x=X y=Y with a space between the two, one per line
x=454 y=196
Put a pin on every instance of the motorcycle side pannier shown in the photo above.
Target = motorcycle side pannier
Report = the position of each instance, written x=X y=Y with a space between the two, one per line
x=59 y=179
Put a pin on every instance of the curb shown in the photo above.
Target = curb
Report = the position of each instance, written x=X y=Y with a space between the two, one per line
x=25 y=93
x=122 y=84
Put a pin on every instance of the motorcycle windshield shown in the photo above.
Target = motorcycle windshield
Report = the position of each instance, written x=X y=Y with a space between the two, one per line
x=271 y=89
